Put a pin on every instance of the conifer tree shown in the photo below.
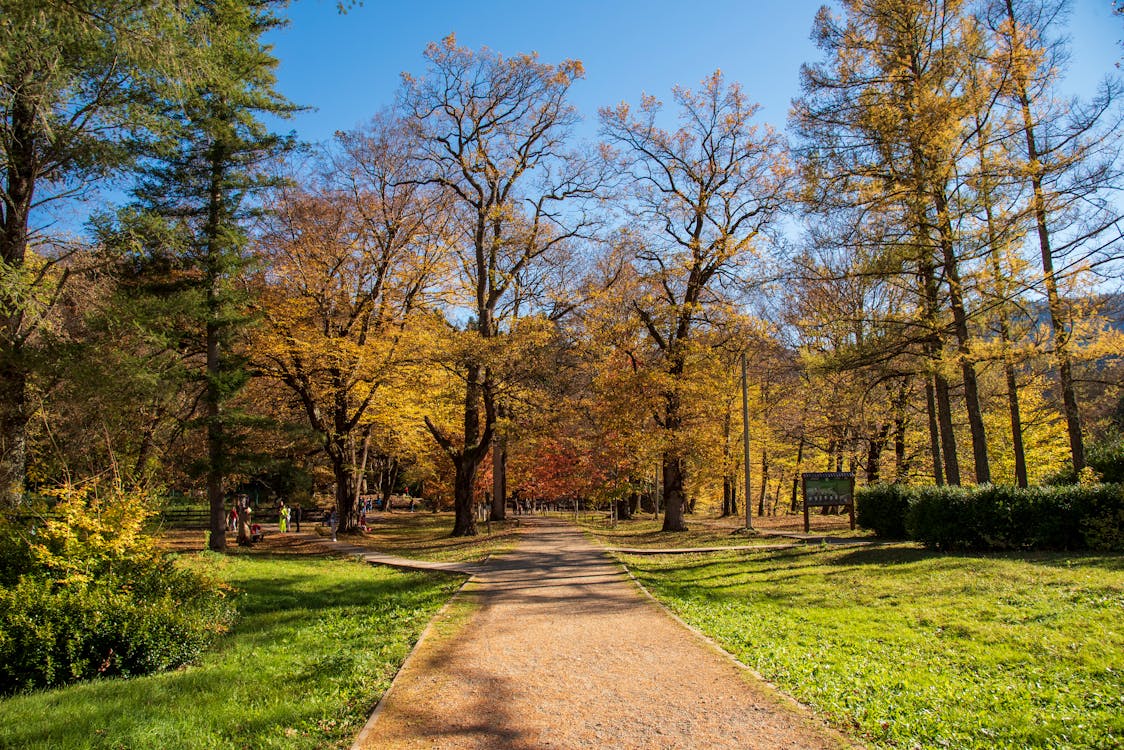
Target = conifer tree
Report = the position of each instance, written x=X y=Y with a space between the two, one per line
x=201 y=188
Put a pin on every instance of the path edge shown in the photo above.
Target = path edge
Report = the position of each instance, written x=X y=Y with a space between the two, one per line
x=804 y=711
x=368 y=728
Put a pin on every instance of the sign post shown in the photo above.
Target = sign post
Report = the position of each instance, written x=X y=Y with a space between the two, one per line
x=826 y=488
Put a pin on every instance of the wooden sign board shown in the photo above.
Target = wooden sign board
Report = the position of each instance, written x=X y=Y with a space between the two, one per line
x=826 y=488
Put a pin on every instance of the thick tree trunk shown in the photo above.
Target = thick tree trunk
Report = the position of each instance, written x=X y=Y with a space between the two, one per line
x=874 y=454
x=729 y=496
x=20 y=189
x=346 y=496
x=624 y=507
x=674 y=497
x=464 y=523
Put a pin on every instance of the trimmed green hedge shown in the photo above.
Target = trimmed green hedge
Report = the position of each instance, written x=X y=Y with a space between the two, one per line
x=882 y=508
x=997 y=517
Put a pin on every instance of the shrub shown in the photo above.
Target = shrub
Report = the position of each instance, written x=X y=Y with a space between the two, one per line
x=991 y=517
x=90 y=596
x=1107 y=458
x=882 y=508
x=941 y=517
x=1104 y=460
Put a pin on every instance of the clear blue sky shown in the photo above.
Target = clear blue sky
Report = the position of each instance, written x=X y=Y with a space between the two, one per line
x=348 y=66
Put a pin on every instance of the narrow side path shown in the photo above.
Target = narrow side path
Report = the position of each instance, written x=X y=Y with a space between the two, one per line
x=564 y=651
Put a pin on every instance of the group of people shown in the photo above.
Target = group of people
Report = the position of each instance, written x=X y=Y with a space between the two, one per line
x=288 y=517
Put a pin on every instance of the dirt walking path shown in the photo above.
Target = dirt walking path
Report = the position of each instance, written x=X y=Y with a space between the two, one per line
x=564 y=651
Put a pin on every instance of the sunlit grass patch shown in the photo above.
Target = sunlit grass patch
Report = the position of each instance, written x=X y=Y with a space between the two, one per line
x=425 y=536
x=908 y=648
x=316 y=645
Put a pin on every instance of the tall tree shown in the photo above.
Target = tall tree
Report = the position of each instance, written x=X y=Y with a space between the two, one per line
x=703 y=198
x=884 y=122
x=203 y=185
x=491 y=134
x=1068 y=163
x=345 y=266
x=77 y=83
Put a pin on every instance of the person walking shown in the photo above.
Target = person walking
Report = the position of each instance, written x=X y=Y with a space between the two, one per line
x=283 y=518
x=334 y=522
x=296 y=515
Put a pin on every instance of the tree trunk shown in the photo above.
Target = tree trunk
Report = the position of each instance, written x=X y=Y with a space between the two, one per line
x=948 y=436
x=499 y=480
x=674 y=497
x=464 y=523
x=900 y=429
x=624 y=507
x=216 y=448
x=346 y=492
x=934 y=432
x=20 y=189
x=1016 y=424
x=874 y=454
x=13 y=430
x=960 y=326
x=794 y=499
x=1053 y=299
x=729 y=496
x=764 y=481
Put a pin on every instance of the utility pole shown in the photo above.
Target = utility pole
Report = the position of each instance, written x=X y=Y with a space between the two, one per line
x=745 y=446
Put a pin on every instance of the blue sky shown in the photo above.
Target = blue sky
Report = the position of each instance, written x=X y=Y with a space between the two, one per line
x=348 y=66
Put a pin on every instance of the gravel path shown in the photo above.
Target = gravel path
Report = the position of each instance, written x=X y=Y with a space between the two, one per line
x=563 y=650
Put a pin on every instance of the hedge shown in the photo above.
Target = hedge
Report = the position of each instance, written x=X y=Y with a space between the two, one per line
x=997 y=517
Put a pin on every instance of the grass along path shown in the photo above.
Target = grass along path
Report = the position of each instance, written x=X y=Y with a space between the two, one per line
x=644 y=532
x=316 y=645
x=910 y=649
x=425 y=536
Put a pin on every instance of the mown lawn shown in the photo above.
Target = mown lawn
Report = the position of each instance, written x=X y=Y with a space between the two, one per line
x=425 y=536
x=644 y=532
x=316 y=645
x=906 y=648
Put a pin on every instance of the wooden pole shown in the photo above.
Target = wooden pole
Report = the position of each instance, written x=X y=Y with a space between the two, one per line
x=745 y=446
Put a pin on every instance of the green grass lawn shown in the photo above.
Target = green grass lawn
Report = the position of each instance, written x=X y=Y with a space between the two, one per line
x=906 y=648
x=644 y=532
x=425 y=536
x=316 y=645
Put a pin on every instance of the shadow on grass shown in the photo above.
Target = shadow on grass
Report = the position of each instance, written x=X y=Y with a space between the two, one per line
x=316 y=643
x=908 y=555
x=283 y=592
